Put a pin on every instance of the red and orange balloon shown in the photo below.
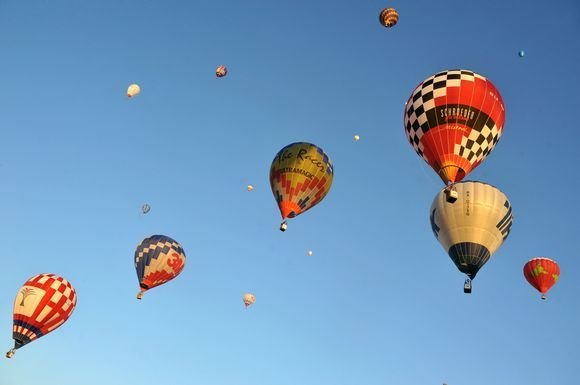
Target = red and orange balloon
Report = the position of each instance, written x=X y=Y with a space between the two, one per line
x=542 y=273
x=453 y=120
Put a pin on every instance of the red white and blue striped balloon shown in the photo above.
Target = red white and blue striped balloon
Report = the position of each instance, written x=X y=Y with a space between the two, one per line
x=158 y=259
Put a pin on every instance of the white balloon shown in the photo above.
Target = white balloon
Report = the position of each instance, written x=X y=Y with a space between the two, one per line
x=133 y=90
x=471 y=229
x=249 y=299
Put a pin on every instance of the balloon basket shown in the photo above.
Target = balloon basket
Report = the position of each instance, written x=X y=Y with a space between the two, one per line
x=283 y=226
x=140 y=296
x=451 y=195
x=10 y=354
x=467 y=286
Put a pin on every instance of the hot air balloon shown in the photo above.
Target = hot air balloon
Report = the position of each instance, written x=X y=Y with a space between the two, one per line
x=221 y=71
x=249 y=299
x=145 y=208
x=42 y=304
x=388 y=17
x=158 y=259
x=521 y=53
x=301 y=175
x=472 y=230
x=133 y=90
x=250 y=187
x=453 y=120
x=356 y=138
x=542 y=273
x=310 y=253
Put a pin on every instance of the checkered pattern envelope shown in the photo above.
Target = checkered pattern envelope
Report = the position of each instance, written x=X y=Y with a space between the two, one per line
x=158 y=259
x=42 y=304
x=453 y=120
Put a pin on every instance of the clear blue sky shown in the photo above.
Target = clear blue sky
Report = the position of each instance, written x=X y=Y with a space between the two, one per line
x=379 y=302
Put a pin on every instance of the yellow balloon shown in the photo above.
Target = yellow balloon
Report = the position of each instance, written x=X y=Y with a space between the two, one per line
x=301 y=175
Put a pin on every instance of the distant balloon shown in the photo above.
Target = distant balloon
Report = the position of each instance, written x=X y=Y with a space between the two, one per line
x=471 y=230
x=453 y=120
x=310 y=253
x=133 y=90
x=249 y=299
x=221 y=71
x=145 y=208
x=300 y=176
x=521 y=53
x=43 y=304
x=356 y=138
x=250 y=187
x=542 y=273
x=158 y=259
x=389 y=17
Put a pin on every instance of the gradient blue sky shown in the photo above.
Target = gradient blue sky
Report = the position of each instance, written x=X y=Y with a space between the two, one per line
x=379 y=302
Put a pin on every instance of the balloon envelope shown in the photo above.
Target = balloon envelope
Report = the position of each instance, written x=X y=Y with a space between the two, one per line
x=389 y=17
x=300 y=176
x=453 y=120
x=221 y=71
x=158 y=259
x=248 y=299
x=42 y=304
x=145 y=208
x=474 y=227
x=133 y=90
x=542 y=273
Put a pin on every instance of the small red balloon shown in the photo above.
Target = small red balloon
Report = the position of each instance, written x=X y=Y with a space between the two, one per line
x=542 y=273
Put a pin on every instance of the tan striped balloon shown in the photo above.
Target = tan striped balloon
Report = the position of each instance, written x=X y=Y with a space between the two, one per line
x=474 y=227
x=389 y=17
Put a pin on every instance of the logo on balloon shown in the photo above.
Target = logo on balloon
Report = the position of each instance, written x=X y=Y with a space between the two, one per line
x=176 y=263
x=25 y=293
